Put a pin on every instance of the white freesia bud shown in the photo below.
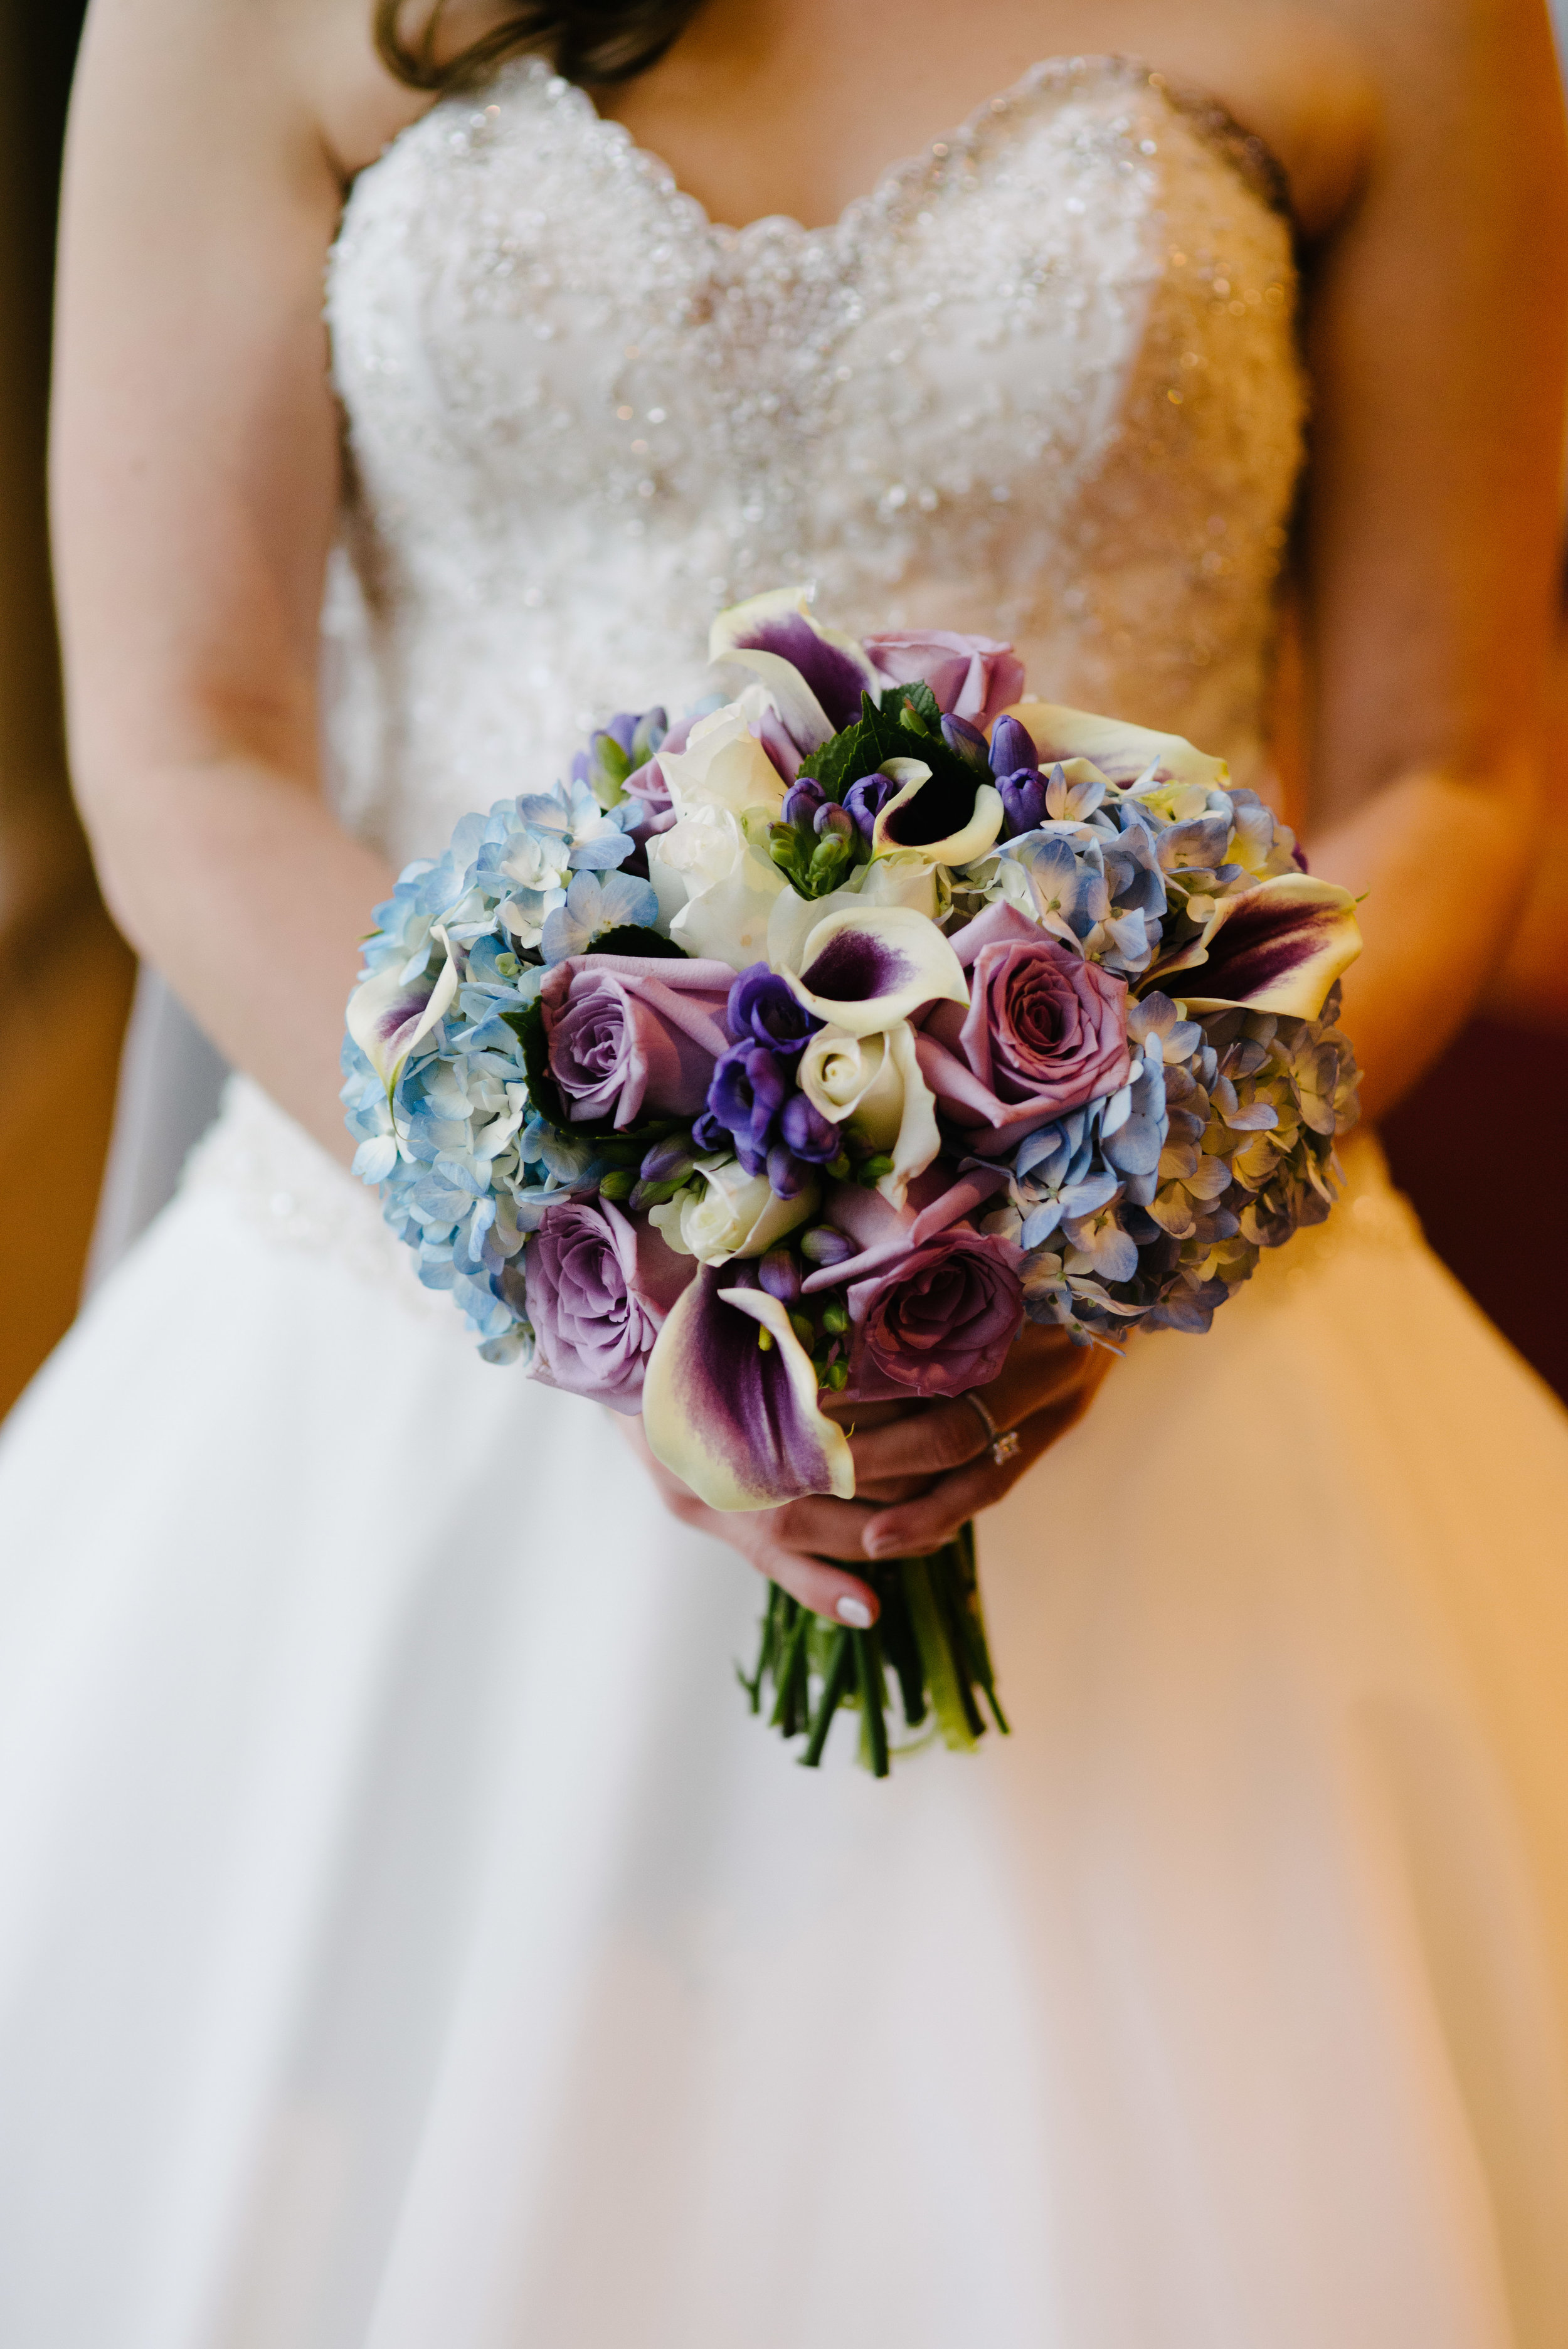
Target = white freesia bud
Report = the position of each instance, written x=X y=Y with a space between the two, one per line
x=734 y=1214
x=724 y=765
x=873 y=1085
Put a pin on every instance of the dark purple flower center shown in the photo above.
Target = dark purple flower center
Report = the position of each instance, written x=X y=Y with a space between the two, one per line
x=855 y=966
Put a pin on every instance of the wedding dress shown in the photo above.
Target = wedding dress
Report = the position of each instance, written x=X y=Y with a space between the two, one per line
x=408 y=1940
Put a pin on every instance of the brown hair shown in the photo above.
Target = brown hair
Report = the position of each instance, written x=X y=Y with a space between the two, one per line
x=597 y=41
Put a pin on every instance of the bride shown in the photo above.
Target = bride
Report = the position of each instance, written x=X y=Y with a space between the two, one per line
x=405 y=1937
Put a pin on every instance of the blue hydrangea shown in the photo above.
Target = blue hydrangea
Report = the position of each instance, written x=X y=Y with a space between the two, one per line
x=1149 y=1208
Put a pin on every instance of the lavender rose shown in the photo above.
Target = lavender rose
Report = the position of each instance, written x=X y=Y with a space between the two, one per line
x=599 y=1287
x=972 y=677
x=937 y=1322
x=1044 y=1032
x=631 y=1037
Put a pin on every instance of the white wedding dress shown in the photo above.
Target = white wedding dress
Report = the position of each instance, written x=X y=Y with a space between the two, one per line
x=408 y=1940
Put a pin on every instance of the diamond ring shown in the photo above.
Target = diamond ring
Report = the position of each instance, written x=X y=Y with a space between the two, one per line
x=1003 y=1442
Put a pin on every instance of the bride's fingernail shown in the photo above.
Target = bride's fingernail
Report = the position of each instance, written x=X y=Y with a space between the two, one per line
x=855 y=1613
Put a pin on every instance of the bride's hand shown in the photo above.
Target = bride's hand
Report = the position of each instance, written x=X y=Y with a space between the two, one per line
x=921 y=1470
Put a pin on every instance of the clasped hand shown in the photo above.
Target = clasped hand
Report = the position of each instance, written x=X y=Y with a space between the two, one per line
x=921 y=1470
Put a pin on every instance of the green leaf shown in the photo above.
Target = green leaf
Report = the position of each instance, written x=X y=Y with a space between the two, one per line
x=633 y=938
x=915 y=703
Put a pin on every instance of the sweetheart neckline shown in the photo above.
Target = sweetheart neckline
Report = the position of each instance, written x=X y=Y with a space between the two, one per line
x=1108 y=66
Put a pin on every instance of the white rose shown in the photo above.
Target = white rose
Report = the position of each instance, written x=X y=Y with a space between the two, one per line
x=734 y=1214
x=874 y=1084
x=724 y=765
x=714 y=889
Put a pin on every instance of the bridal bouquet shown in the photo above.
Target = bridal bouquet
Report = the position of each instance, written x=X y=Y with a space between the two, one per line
x=802 y=1050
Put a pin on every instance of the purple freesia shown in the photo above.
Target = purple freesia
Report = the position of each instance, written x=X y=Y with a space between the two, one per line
x=750 y=1087
x=972 y=677
x=865 y=800
x=600 y=1285
x=807 y=1133
x=939 y=1321
x=802 y=801
x=1018 y=777
x=762 y=1005
x=1044 y=1032
x=631 y=1037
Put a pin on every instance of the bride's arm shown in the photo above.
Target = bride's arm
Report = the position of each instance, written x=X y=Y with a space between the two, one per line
x=1436 y=330
x=195 y=476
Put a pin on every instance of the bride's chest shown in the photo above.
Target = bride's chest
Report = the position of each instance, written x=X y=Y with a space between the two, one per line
x=524 y=305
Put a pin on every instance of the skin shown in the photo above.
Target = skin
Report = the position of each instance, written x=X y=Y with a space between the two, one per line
x=196 y=478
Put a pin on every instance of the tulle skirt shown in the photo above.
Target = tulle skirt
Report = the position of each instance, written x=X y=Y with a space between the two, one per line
x=408 y=1940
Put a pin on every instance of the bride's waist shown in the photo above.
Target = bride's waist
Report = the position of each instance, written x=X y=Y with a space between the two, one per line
x=288 y=1186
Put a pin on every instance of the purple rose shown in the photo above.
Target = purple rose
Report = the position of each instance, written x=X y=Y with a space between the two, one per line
x=633 y=1037
x=937 y=1322
x=1045 y=1032
x=971 y=677
x=599 y=1287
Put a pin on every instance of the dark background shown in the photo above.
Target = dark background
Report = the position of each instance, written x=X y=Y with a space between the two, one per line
x=1480 y=1145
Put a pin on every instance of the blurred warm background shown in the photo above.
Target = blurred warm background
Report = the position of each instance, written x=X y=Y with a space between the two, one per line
x=65 y=975
x=66 y=979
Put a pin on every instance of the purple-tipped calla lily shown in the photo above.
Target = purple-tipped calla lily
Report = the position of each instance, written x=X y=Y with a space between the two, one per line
x=1277 y=948
x=904 y=826
x=1124 y=754
x=735 y=1418
x=388 y=1015
x=815 y=675
x=865 y=968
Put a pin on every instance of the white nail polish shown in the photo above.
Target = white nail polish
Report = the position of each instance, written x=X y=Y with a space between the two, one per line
x=855 y=1613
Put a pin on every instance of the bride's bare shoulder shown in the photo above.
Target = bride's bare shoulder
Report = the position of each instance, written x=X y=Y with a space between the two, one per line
x=360 y=103
x=312 y=65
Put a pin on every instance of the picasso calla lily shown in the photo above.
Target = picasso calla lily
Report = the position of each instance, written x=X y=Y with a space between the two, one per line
x=919 y=820
x=865 y=968
x=1277 y=948
x=389 y=1015
x=729 y=1401
x=815 y=675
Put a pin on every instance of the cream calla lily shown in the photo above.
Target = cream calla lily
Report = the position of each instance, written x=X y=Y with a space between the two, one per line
x=390 y=1016
x=862 y=968
x=1124 y=754
x=976 y=838
x=873 y=1085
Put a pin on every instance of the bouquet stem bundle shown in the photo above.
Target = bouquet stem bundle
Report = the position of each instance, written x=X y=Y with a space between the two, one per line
x=930 y=1635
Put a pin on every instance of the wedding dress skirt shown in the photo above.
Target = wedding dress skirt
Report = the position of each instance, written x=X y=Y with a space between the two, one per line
x=407 y=1940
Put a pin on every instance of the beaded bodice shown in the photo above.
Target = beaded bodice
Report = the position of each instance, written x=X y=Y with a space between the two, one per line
x=1040 y=384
